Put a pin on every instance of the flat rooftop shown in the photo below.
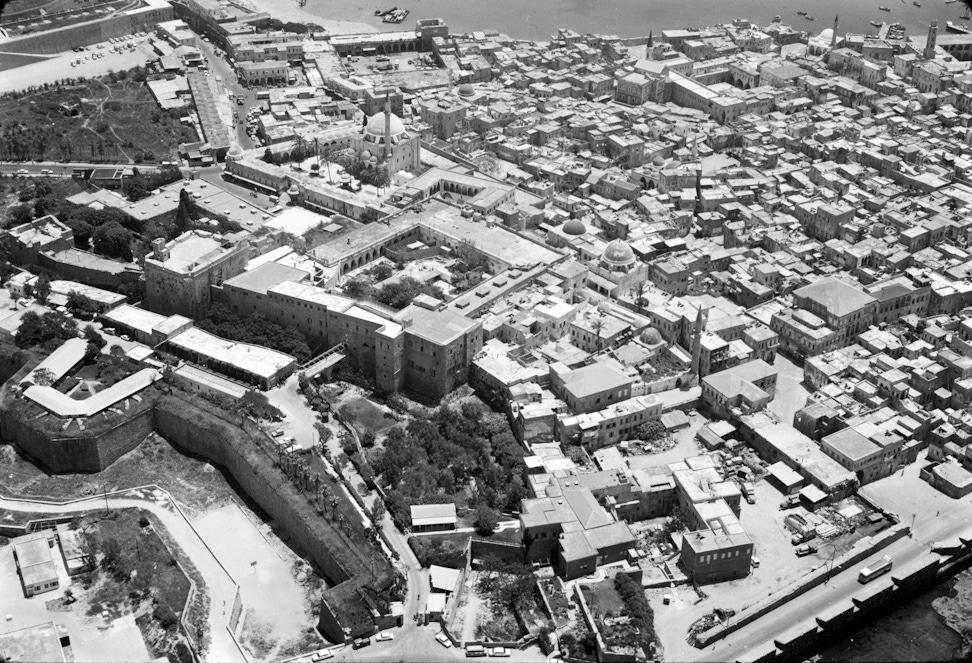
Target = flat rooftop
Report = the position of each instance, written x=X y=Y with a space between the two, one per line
x=192 y=250
x=252 y=359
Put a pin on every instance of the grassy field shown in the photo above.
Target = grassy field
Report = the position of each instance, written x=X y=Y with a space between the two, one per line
x=118 y=121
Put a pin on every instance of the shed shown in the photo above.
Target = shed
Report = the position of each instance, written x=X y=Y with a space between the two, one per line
x=813 y=497
x=788 y=479
x=433 y=517
x=674 y=420
x=444 y=579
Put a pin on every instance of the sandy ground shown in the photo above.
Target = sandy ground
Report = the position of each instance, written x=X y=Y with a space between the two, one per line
x=93 y=639
x=288 y=10
x=59 y=66
x=274 y=599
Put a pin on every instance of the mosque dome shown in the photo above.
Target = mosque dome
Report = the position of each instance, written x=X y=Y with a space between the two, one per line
x=618 y=255
x=575 y=227
x=651 y=336
x=376 y=126
x=466 y=90
x=827 y=35
x=235 y=151
x=658 y=161
x=366 y=155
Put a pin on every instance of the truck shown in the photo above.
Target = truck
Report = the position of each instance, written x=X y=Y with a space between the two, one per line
x=749 y=492
x=869 y=573
x=806 y=549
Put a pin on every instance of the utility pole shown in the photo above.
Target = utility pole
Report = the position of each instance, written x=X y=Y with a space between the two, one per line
x=104 y=487
x=833 y=554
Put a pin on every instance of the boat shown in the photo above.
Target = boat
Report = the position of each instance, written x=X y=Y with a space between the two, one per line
x=960 y=28
x=916 y=3
x=777 y=19
x=877 y=24
x=809 y=17
x=801 y=13
x=948 y=2
x=396 y=16
x=885 y=9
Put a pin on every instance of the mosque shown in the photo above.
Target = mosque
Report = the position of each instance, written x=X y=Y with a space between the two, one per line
x=385 y=140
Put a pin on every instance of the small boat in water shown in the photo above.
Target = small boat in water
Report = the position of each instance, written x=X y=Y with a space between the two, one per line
x=809 y=17
x=885 y=9
x=916 y=3
x=777 y=19
x=948 y=2
x=801 y=13
x=877 y=24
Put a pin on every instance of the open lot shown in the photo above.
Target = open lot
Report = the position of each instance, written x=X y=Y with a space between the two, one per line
x=278 y=615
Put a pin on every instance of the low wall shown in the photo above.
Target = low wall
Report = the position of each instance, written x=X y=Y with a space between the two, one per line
x=818 y=577
x=505 y=550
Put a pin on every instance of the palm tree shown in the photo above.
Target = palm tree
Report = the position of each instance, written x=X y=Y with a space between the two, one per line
x=598 y=325
x=298 y=150
x=317 y=151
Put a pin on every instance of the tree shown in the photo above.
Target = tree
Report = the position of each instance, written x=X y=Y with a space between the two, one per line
x=94 y=337
x=43 y=377
x=598 y=326
x=650 y=431
x=81 y=305
x=378 y=512
x=114 y=241
x=42 y=289
x=256 y=404
x=356 y=289
x=183 y=217
x=137 y=188
x=487 y=520
x=20 y=214
x=49 y=330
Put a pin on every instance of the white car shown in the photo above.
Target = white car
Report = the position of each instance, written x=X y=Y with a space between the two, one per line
x=322 y=655
x=443 y=640
x=499 y=652
x=385 y=636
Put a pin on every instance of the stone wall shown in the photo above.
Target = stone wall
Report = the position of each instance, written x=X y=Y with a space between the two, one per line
x=77 y=451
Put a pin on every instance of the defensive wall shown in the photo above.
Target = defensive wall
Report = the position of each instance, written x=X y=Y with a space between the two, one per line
x=871 y=601
x=87 y=33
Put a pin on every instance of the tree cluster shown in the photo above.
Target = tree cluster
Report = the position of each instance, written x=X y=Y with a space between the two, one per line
x=638 y=610
x=257 y=330
x=650 y=431
x=366 y=170
x=286 y=26
x=257 y=405
x=47 y=331
x=81 y=306
x=508 y=585
x=433 y=460
x=400 y=293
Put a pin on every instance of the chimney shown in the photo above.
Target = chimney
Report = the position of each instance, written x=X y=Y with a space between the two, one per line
x=159 y=251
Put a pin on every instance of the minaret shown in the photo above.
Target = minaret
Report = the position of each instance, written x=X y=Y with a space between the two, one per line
x=929 y=53
x=697 y=342
x=833 y=37
x=387 y=152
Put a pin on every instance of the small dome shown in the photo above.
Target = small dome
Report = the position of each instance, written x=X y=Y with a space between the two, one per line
x=604 y=307
x=376 y=125
x=651 y=336
x=366 y=155
x=658 y=161
x=235 y=151
x=466 y=90
x=574 y=227
x=827 y=35
x=618 y=253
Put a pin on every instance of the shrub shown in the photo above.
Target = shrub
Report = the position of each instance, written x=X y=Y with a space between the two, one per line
x=165 y=616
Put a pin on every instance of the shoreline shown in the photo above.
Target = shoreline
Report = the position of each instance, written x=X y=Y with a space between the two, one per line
x=955 y=611
x=289 y=11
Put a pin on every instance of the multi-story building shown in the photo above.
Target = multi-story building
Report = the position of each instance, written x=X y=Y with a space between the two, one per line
x=179 y=274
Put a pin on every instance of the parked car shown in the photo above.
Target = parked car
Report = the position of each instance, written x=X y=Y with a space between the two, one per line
x=499 y=652
x=124 y=337
x=385 y=636
x=806 y=549
x=755 y=562
x=322 y=655
x=360 y=643
x=789 y=502
x=443 y=640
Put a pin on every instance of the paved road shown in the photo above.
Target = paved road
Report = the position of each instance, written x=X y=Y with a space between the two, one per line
x=219 y=583
x=60 y=169
x=928 y=531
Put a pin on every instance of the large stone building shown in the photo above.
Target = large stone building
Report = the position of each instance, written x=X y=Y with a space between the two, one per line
x=180 y=273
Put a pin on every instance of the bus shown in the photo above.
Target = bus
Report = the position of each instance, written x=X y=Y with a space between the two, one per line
x=869 y=573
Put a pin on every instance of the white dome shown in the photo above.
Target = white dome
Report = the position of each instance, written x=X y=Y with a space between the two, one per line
x=827 y=34
x=618 y=253
x=376 y=126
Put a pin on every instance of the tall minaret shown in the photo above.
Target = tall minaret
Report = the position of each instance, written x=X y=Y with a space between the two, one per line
x=833 y=37
x=697 y=342
x=387 y=152
x=929 y=53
